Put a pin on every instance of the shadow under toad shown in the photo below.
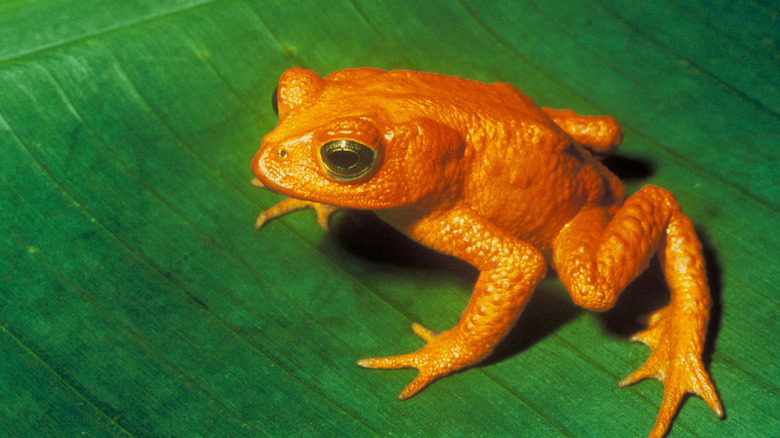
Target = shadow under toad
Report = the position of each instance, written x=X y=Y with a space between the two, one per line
x=364 y=235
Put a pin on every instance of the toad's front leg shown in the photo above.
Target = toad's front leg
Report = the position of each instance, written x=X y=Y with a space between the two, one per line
x=509 y=271
x=289 y=205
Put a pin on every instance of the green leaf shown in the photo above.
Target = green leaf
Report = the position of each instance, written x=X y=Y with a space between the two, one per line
x=136 y=298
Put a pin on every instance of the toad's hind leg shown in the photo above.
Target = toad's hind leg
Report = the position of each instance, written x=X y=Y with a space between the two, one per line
x=596 y=257
x=599 y=134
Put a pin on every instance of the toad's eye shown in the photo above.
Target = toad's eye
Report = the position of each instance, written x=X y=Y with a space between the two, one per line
x=347 y=160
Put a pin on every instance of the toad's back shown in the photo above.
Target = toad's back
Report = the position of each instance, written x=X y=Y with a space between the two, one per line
x=522 y=169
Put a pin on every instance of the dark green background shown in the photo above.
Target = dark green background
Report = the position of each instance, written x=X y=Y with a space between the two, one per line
x=137 y=299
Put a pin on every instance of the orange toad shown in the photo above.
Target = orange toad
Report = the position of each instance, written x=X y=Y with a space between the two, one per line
x=479 y=172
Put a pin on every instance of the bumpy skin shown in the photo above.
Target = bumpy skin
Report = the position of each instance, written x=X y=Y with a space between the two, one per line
x=479 y=172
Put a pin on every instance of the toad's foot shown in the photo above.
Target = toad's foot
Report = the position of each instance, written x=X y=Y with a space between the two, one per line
x=676 y=361
x=289 y=205
x=444 y=353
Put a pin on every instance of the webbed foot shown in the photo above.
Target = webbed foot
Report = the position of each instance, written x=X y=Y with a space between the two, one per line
x=676 y=361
